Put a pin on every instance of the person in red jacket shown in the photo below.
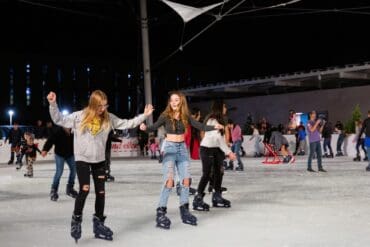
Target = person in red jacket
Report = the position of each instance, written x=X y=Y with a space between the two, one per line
x=192 y=136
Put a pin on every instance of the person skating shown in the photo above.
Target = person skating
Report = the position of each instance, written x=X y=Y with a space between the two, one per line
x=314 y=127
x=29 y=149
x=175 y=119
x=91 y=127
x=366 y=129
x=360 y=142
x=236 y=136
x=326 y=134
x=111 y=138
x=62 y=139
x=213 y=149
x=15 y=138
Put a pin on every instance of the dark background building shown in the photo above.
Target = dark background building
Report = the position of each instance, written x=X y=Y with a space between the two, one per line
x=74 y=47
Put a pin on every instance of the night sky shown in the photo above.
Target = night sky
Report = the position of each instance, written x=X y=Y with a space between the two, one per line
x=301 y=36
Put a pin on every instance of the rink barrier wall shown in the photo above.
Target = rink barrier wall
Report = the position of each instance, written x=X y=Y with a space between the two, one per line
x=129 y=147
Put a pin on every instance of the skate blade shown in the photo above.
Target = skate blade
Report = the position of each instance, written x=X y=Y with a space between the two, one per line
x=189 y=223
x=201 y=209
x=163 y=227
x=110 y=238
x=221 y=205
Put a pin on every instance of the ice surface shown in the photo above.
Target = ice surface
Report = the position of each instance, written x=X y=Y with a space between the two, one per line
x=280 y=205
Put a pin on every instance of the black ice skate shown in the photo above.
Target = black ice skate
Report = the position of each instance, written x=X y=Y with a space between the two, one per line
x=199 y=204
x=54 y=194
x=70 y=191
x=186 y=216
x=218 y=201
x=100 y=230
x=162 y=220
x=76 y=227
x=358 y=158
x=109 y=178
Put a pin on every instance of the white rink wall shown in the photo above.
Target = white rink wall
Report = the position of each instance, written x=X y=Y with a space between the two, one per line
x=348 y=147
x=129 y=147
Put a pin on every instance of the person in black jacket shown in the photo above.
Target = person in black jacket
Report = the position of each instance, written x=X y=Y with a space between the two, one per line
x=327 y=131
x=15 y=138
x=366 y=129
x=62 y=139
x=339 y=128
x=111 y=138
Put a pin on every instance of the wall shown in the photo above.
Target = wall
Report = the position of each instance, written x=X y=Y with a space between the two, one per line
x=127 y=148
x=338 y=102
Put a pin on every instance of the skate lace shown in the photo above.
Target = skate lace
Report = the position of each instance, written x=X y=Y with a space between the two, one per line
x=104 y=228
x=76 y=228
x=162 y=218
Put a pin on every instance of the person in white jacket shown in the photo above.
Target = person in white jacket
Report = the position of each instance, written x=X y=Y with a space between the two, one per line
x=213 y=149
x=91 y=127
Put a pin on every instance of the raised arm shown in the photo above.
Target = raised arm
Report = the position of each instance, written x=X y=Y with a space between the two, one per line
x=314 y=127
x=118 y=123
x=57 y=117
x=202 y=126
x=160 y=121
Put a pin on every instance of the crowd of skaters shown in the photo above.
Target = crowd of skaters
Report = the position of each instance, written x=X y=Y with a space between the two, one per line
x=215 y=140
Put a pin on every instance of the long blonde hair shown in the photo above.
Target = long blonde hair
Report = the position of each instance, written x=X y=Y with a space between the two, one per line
x=183 y=109
x=89 y=113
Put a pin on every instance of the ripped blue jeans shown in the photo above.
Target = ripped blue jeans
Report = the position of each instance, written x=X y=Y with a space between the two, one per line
x=175 y=159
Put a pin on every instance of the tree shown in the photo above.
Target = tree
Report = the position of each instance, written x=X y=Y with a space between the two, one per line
x=350 y=126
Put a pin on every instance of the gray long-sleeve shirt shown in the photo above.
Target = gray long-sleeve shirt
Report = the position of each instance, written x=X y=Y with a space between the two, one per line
x=87 y=147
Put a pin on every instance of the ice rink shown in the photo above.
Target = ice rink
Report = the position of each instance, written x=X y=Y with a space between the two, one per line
x=280 y=205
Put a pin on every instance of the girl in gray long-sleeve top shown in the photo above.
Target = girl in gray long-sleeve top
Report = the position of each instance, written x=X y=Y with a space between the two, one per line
x=91 y=127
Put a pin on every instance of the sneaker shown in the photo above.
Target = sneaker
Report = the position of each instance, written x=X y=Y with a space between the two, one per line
x=292 y=160
x=310 y=170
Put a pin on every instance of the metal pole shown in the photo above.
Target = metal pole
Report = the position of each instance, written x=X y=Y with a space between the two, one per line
x=146 y=55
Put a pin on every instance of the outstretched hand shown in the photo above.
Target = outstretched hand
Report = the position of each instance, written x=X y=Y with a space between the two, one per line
x=232 y=156
x=142 y=127
x=52 y=97
x=148 y=110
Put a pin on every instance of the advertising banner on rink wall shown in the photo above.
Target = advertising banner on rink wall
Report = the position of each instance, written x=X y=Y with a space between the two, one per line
x=129 y=147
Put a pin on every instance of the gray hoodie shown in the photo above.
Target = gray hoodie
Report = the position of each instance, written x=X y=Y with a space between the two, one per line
x=87 y=147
